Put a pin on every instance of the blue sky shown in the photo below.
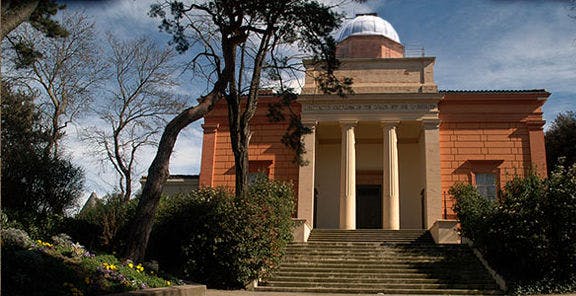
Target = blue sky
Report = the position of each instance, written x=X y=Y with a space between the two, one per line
x=478 y=45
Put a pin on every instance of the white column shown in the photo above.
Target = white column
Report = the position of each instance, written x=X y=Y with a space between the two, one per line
x=348 y=176
x=390 y=184
x=431 y=156
x=306 y=176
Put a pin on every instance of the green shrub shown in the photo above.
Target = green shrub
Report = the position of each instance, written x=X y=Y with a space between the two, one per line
x=560 y=208
x=103 y=226
x=62 y=267
x=214 y=238
x=518 y=234
x=473 y=210
x=530 y=235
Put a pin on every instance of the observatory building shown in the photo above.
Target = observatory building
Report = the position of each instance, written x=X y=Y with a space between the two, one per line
x=386 y=156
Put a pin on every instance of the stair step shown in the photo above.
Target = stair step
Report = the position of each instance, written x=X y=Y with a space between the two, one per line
x=376 y=264
x=352 y=290
x=375 y=278
x=384 y=258
x=380 y=270
x=369 y=274
x=379 y=261
x=381 y=285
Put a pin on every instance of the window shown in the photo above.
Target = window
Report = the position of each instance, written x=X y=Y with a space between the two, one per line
x=252 y=177
x=258 y=168
x=486 y=184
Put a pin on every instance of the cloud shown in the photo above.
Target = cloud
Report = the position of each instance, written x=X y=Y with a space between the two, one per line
x=513 y=55
x=188 y=151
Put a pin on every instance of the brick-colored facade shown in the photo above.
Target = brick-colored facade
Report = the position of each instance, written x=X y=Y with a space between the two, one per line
x=266 y=154
x=492 y=131
x=482 y=131
x=397 y=133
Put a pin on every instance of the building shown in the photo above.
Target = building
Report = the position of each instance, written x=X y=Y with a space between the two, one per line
x=177 y=184
x=386 y=156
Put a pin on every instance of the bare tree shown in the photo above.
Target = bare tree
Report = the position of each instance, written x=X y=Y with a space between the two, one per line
x=65 y=70
x=133 y=110
x=231 y=41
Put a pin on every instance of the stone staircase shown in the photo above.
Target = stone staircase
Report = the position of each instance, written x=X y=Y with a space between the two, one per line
x=379 y=262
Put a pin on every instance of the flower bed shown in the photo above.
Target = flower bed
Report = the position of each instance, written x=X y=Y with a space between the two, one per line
x=67 y=268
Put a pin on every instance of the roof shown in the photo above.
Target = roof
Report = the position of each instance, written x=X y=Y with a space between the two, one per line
x=367 y=24
x=494 y=91
x=179 y=177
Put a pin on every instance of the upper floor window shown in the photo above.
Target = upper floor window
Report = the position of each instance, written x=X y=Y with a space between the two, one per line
x=486 y=184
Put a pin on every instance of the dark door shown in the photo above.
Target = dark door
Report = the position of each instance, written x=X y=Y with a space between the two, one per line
x=368 y=207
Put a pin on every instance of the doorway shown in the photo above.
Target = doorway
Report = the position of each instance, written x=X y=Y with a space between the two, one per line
x=368 y=207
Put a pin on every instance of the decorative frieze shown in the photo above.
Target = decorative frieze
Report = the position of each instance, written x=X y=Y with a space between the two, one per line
x=370 y=108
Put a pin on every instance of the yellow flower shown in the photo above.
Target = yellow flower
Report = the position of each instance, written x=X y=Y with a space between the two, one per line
x=139 y=267
x=168 y=283
x=131 y=265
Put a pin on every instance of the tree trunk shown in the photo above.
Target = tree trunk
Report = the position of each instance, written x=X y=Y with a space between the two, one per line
x=159 y=172
x=239 y=138
x=128 y=186
x=12 y=17
x=242 y=165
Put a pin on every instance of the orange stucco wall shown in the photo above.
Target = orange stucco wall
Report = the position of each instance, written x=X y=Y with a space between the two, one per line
x=499 y=133
x=266 y=152
x=496 y=132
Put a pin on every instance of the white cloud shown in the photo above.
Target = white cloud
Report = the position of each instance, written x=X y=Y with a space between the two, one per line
x=518 y=56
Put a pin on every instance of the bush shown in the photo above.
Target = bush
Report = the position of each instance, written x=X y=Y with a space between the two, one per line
x=474 y=211
x=530 y=235
x=560 y=208
x=103 y=226
x=224 y=241
x=62 y=267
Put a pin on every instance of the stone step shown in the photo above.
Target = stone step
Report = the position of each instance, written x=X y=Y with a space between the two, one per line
x=324 y=230
x=375 y=264
x=379 y=253
x=471 y=277
x=373 y=254
x=379 y=279
x=352 y=290
x=379 y=262
x=381 y=285
x=378 y=269
x=386 y=258
x=370 y=237
x=374 y=245
x=371 y=234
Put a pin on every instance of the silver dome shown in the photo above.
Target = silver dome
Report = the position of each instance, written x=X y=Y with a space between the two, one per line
x=367 y=25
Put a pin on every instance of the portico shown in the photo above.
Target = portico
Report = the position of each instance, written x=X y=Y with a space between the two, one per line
x=373 y=156
x=360 y=149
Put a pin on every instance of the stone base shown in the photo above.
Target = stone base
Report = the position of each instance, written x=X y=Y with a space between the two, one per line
x=446 y=232
x=301 y=230
x=185 y=290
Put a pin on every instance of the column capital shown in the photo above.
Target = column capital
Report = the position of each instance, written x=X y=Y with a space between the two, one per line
x=389 y=123
x=430 y=123
x=210 y=128
x=348 y=123
x=311 y=124
x=535 y=125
